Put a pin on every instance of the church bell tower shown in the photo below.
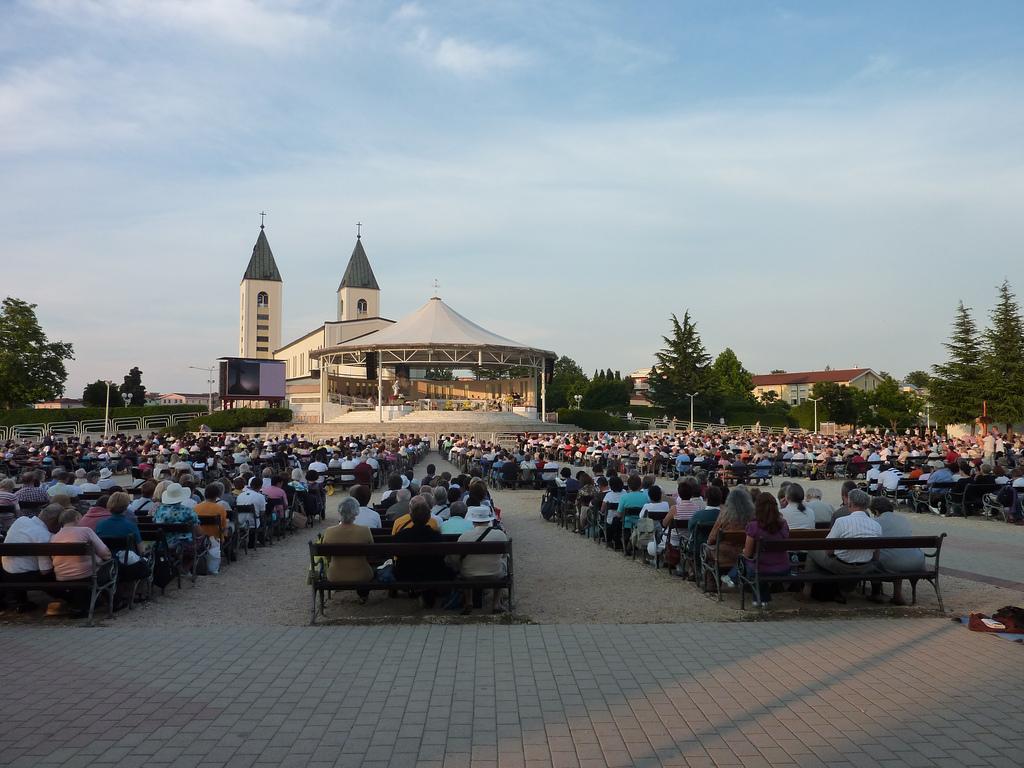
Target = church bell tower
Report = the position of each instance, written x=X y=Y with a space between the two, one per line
x=358 y=292
x=260 y=313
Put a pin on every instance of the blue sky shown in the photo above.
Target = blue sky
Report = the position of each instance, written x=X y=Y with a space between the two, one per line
x=818 y=183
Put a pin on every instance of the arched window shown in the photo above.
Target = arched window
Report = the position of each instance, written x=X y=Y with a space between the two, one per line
x=361 y=307
x=262 y=300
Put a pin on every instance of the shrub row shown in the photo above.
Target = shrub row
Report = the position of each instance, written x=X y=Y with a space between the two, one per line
x=235 y=419
x=594 y=421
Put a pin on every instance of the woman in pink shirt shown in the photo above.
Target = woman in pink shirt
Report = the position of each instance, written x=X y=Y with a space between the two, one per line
x=75 y=567
x=95 y=513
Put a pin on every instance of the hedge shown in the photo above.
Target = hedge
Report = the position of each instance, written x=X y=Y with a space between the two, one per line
x=50 y=415
x=594 y=421
x=234 y=419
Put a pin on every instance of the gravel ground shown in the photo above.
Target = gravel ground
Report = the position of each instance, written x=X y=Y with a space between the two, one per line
x=560 y=578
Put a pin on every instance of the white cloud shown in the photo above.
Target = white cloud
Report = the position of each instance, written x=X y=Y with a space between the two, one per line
x=259 y=23
x=469 y=59
x=408 y=12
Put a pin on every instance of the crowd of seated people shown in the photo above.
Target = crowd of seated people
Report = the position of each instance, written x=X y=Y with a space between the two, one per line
x=424 y=511
x=67 y=489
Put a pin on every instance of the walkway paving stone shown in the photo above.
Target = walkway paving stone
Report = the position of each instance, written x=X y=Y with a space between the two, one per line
x=902 y=692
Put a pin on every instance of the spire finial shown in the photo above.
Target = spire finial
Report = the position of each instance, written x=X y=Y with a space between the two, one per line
x=359 y=229
x=437 y=285
x=262 y=214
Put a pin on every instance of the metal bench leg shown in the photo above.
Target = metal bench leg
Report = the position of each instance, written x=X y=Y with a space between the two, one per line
x=938 y=595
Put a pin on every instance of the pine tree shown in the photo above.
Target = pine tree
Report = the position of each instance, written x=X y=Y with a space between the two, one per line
x=1003 y=360
x=957 y=388
x=683 y=367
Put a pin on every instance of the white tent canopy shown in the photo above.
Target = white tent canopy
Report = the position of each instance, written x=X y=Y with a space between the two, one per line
x=434 y=336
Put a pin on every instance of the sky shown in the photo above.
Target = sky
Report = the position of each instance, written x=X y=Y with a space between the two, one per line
x=817 y=183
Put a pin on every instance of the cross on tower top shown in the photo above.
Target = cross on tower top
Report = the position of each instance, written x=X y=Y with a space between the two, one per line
x=262 y=214
x=359 y=229
x=437 y=285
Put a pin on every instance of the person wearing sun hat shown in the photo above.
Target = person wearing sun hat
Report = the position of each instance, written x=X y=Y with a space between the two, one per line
x=482 y=566
x=174 y=509
x=106 y=480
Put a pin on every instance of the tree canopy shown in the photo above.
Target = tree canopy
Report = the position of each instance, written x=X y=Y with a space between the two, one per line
x=567 y=380
x=31 y=366
x=132 y=391
x=731 y=378
x=95 y=395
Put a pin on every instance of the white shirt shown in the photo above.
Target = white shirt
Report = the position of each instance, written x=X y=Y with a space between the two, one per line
x=368 y=518
x=799 y=520
x=651 y=506
x=252 y=498
x=872 y=476
x=890 y=479
x=856 y=525
x=27 y=530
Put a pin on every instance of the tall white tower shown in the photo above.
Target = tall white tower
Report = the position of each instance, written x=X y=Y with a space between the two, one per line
x=358 y=292
x=261 y=311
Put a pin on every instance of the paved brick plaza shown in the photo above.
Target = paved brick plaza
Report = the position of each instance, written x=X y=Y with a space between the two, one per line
x=900 y=692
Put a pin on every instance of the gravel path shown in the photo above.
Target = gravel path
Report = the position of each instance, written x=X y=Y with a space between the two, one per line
x=560 y=577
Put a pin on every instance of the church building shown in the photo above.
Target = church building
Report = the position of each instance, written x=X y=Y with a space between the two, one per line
x=261 y=313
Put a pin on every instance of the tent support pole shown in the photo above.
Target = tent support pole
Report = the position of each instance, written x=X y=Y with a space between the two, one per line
x=323 y=387
x=543 y=396
x=380 y=391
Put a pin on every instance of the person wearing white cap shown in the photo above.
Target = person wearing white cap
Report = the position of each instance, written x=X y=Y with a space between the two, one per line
x=106 y=480
x=482 y=566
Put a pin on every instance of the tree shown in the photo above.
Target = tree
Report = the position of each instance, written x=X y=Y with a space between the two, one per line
x=892 y=407
x=768 y=397
x=95 y=395
x=732 y=378
x=567 y=380
x=683 y=367
x=31 y=366
x=132 y=391
x=957 y=386
x=605 y=394
x=836 y=403
x=919 y=379
x=1003 y=360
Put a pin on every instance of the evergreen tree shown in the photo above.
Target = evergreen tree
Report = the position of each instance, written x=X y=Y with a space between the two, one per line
x=1003 y=360
x=683 y=367
x=957 y=387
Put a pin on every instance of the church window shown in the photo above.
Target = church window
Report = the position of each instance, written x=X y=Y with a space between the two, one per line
x=262 y=299
x=361 y=307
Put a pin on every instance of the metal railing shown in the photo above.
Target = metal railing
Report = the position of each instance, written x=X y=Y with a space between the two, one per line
x=92 y=427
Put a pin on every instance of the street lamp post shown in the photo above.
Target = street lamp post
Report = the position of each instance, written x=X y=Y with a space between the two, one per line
x=106 y=412
x=815 y=401
x=578 y=399
x=691 y=396
x=209 y=381
x=927 y=418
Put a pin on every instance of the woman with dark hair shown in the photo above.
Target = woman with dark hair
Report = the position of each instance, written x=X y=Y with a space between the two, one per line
x=767 y=525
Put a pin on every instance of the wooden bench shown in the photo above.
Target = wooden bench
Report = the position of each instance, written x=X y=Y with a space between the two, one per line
x=102 y=580
x=749 y=574
x=387 y=549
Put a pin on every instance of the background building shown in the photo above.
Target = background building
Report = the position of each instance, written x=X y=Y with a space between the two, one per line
x=794 y=388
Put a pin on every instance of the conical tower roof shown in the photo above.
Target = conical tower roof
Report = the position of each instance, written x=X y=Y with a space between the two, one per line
x=358 y=273
x=262 y=265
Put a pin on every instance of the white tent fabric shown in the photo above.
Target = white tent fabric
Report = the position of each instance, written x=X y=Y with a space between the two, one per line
x=435 y=324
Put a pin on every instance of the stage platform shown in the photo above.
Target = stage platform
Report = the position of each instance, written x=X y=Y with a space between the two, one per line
x=486 y=425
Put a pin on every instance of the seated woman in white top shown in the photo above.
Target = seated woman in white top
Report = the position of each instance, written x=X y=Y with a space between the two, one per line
x=656 y=503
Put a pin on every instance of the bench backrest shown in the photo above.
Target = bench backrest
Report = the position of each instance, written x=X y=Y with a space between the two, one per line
x=68 y=548
x=419 y=548
x=906 y=542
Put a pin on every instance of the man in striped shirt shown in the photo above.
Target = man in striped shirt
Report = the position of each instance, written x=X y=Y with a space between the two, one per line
x=856 y=525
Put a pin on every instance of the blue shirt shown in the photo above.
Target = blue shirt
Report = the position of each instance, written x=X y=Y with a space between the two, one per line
x=456 y=524
x=633 y=499
x=118 y=525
